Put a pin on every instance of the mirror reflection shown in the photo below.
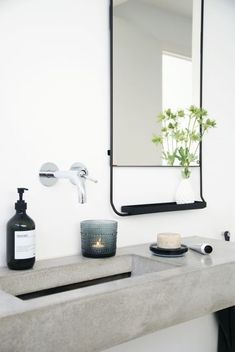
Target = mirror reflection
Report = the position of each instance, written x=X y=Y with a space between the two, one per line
x=154 y=65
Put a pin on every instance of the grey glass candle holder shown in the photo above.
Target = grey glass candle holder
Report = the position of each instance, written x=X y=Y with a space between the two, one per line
x=98 y=238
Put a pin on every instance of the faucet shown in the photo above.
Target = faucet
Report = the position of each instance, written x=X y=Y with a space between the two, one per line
x=77 y=175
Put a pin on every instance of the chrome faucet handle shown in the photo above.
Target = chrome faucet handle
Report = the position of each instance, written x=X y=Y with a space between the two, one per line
x=90 y=179
x=82 y=172
x=84 y=175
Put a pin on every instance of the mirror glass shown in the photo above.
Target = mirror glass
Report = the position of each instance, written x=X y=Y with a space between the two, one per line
x=155 y=67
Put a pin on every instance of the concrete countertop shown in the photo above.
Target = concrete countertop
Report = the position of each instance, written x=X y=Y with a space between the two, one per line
x=162 y=292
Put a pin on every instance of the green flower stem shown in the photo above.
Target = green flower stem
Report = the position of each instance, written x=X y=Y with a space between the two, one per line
x=188 y=133
x=195 y=152
x=193 y=129
x=186 y=173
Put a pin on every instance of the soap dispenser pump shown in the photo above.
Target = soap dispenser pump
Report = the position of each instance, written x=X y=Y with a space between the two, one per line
x=20 y=237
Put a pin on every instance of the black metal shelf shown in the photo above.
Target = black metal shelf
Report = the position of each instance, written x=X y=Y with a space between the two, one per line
x=160 y=207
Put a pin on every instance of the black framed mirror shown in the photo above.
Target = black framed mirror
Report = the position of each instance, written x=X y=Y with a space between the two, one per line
x=156 y=58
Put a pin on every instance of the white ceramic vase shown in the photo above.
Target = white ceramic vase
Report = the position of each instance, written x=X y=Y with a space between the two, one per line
x=184 y=193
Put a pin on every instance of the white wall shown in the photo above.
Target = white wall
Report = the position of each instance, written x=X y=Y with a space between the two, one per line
x=194 y=336
x=66 y=111
x=54 y=107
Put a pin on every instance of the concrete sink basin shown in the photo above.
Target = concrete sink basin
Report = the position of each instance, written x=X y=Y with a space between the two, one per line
x=76 y=304
x=76 y=274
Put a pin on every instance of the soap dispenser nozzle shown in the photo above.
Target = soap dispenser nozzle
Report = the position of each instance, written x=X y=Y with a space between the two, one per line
x=21 y=192
x=21 y=205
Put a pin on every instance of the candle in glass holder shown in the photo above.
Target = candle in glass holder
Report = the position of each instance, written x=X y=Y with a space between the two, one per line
x=98 y=238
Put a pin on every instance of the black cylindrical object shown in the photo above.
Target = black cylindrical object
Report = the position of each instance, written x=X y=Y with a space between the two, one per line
x=20 y=237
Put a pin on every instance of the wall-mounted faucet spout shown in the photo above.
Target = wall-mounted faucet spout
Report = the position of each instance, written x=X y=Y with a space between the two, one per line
x=82 y=176
x=78 y=173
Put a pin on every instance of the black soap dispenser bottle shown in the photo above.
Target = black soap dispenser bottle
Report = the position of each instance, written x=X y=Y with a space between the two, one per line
x=20 y=237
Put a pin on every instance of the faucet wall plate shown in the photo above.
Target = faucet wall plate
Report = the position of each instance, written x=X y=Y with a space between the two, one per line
x=46 y=174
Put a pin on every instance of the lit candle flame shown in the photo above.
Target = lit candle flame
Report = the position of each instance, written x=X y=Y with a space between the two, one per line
x=98 y=244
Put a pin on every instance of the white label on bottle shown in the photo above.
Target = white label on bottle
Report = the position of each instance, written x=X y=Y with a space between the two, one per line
x=24 y=244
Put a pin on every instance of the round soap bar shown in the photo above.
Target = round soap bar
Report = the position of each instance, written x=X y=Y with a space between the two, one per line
x=169 y=240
